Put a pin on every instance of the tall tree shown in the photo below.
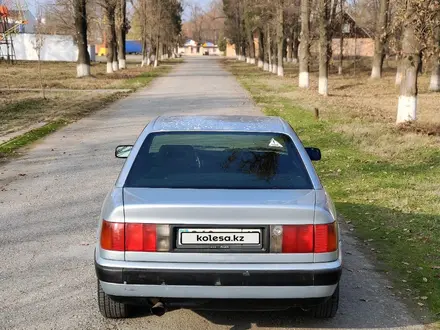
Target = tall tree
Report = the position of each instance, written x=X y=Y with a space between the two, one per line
x=109 y=7
x=234 y=25
x=341 y=36
x=268 y=60
x=435 y=75
x=80 y=16
x=260 y=48
x=121 y=31
x=410 y=65
x=280 y=37
x=380 y=39
x=304 y=44
x=323 y=17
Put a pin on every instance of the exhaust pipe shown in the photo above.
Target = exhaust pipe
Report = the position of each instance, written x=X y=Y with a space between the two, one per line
x=158 y=309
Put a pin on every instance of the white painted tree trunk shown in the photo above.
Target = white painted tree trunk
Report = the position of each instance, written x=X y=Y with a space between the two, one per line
x=409 y=68
x=109 y=67
x=82 y=70
x=295 y=60
x=156 y=62
x=122 y=63
x=398 y=77
x=376 y=72
x=274 y=69
x=323 y=86
x=406 y=109
x=260 y=63
x=115 y=65
x=434 y=85
x=265 y=66
x=304 y=79
x=280 y=71
x=253 y=61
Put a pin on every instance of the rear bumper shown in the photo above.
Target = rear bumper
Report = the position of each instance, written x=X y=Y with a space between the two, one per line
x=211 y=281
x=221 y=278
x=217 y=292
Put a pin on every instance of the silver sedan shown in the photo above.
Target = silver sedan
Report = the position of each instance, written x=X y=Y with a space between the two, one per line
x=218 y=212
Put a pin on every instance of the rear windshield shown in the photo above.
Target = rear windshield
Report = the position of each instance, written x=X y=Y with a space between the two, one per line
x=212 y=160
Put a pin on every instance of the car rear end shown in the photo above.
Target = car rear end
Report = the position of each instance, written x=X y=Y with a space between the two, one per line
x=198 y=219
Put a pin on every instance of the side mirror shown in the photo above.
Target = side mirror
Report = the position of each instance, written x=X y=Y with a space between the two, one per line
x=314 y=154
x=123 y=151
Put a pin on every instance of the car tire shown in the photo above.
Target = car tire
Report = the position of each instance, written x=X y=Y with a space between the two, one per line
x=110 y=308
x=328 y=309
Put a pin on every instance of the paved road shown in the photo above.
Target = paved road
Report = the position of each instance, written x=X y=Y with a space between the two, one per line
x=50 y=201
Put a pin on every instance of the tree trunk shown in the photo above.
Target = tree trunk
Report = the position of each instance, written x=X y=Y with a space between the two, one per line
x=398 y=80
x=304 y=45
x=435 y=75
x=268 y=60
x=156 y=55
x=341 y=40
x=323 y=47
x=115 y=63
x=83 y=62
x=145 y=53
x=251 y=46
x=109 y=10
x=289 y=47
x=280 y=37
x=380 y=39
x=121 y=31
x=407 y=107
x=260 y=49
x=274 y=56
x=295 y=44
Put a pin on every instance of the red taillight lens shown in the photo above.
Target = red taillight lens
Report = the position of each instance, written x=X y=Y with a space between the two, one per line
x=297 y=239
x=140 y=237
x=326 y=238
x=306 y=239
x=112 y=236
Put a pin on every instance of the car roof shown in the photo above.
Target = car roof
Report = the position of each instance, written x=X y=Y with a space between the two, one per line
x=230 y=123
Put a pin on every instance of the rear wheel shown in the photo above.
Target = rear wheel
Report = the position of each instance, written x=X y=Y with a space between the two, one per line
x=110 y=308
x=329 y=308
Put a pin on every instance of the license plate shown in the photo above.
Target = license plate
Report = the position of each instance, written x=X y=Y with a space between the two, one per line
x=219 y=236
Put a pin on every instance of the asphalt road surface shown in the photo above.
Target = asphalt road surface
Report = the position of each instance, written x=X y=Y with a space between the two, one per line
x=50 y=202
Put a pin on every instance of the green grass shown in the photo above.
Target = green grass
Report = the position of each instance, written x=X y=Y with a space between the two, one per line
x=393 y=203
x=10 y=147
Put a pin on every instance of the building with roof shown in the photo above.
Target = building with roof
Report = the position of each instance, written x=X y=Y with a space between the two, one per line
x=192 y=47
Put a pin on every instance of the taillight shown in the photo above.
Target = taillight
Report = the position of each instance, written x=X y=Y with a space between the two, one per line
x=135 y=237
x=298 y=239
x=321 y=238
x=326 y=238
x=112 y=236
x=140 y=237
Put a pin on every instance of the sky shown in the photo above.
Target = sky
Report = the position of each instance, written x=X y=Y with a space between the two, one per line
x=203 y=3
x=32 y=4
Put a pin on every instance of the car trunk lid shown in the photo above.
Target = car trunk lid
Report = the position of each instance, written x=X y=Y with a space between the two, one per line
x=221 y=210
